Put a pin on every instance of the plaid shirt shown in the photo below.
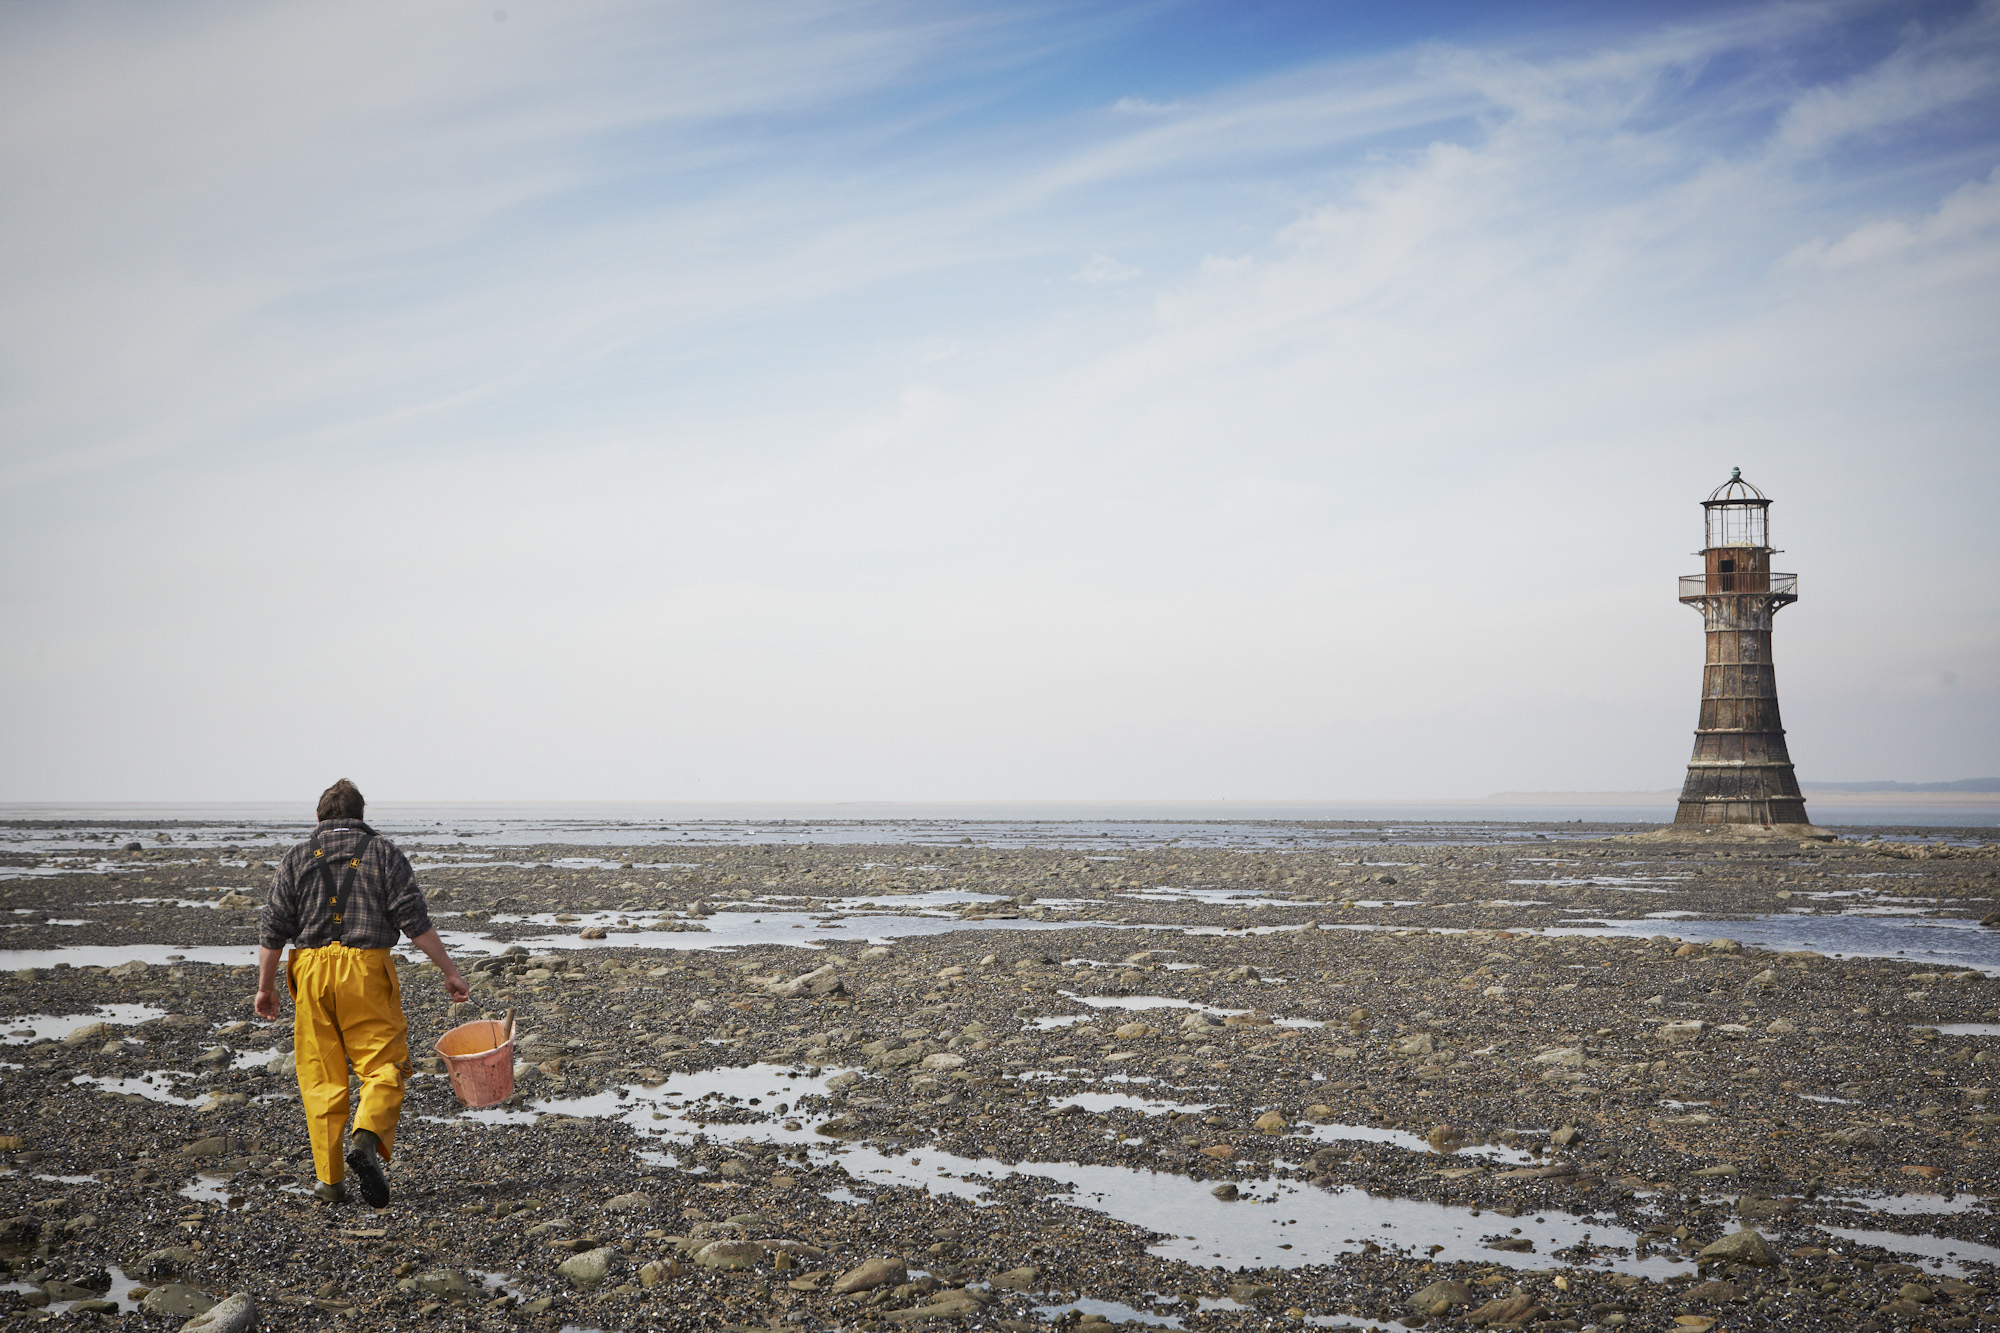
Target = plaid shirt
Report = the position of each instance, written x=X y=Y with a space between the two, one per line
x=385 y=895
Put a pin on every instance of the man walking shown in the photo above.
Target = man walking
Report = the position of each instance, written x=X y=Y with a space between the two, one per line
x=339 y=899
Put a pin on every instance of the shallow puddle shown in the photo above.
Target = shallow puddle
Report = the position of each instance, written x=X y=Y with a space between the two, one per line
x=1906 y=1205
x=155 y=1085
x=254 y=1059
x=1140 y=1003
x=111 y=955
x=121 y=1292
x=207 y=903
x=39 y=1027
x=926 y=898
x=1956 y=942
x=208 y=1189
x=1401 y=1138
x=1623 y=884
x=1940 y=1254
x=1136 y=1002
x=1212 y=897
x=1097 y=1103
x=1967 y=1029
x=1114 y=1311
x=1284 y=1224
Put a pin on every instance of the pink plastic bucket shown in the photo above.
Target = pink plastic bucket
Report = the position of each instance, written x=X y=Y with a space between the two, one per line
x=479 y=1056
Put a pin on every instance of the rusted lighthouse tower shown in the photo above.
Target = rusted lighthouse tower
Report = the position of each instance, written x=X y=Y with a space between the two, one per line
x=1741 y=772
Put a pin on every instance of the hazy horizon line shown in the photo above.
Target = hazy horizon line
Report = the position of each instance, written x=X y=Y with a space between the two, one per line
x=1663 y=795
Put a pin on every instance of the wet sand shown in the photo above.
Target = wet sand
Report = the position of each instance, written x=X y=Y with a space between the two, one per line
x=1444 y=1081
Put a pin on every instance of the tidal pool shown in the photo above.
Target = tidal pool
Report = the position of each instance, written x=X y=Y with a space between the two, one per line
x=1278 y=1223
x=155 y=1085
x=1401 y=1138
x=40 y=1027
x=1959 y=943
x=1940 y=1254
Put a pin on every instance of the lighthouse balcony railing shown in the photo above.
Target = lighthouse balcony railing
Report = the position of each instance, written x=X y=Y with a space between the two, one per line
x=1696 y=586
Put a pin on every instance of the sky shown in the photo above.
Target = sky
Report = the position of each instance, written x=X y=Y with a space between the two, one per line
x=944 y=401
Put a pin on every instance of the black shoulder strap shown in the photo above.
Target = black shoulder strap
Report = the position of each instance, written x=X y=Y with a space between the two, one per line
x=336 y=898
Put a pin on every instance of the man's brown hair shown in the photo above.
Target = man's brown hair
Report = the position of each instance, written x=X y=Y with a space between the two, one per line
x=340 y=801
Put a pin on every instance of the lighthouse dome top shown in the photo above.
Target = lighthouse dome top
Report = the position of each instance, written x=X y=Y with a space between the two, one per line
x=1737 y=514
x=1736 y=491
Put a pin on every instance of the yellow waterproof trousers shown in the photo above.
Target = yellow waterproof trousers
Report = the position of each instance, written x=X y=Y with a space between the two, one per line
x=347 y=1006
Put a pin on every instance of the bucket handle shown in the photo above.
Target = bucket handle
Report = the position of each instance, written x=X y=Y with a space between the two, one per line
x=510 y=1028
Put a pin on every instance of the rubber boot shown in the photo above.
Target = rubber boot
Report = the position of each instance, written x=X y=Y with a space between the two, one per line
x=365 y=1161
x=329 y=1191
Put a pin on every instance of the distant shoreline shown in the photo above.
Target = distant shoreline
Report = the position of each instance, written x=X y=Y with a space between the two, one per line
x=1970 y=799
x=555 y=820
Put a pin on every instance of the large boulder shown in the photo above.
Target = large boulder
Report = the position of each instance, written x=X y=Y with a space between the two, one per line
x=1506 y=1310
x=820 y=981
x=217 y=1145
x=448 y=1282
x=628 y=1203
x=1744 y=1247
x=590 y=1268
x=170 y=1262
x=231 y=1315
x=1439 y=1297
x=872 y=1273
x=730 y=1254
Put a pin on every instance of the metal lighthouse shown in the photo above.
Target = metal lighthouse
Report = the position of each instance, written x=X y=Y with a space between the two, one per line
x=1741 y=772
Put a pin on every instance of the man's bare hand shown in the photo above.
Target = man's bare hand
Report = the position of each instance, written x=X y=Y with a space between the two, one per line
x=433 y=949
x=267 y=1002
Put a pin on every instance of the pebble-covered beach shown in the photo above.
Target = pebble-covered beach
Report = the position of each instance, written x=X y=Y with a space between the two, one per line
x=1596 y=1078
